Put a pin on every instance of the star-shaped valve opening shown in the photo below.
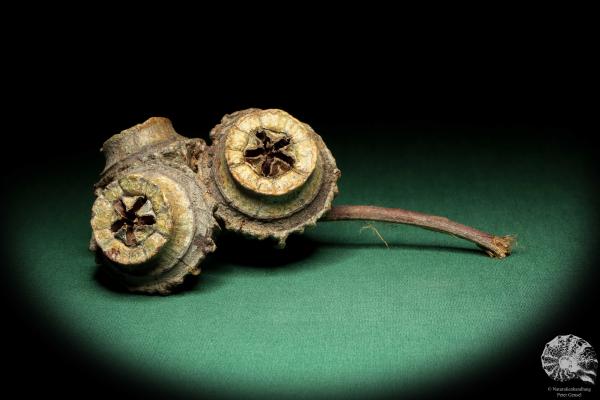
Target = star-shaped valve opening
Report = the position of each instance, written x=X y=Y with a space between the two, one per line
x=136 y=219
x=271 y=157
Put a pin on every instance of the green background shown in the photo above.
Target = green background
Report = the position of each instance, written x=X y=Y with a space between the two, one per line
x=336 y=311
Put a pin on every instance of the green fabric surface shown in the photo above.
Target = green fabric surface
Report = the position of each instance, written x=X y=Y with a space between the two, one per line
x=336 y=311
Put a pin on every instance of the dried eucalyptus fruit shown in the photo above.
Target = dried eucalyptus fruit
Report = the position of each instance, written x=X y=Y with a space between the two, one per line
x=270 y=174
x=152 y=222
x=266 y=175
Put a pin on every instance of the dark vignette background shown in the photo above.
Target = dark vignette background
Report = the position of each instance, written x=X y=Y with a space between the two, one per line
x=71 y=98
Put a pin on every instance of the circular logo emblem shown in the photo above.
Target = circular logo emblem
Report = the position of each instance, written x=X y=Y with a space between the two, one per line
x=569 y=357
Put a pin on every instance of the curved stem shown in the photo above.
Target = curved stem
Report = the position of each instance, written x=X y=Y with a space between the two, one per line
x=494 y=246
